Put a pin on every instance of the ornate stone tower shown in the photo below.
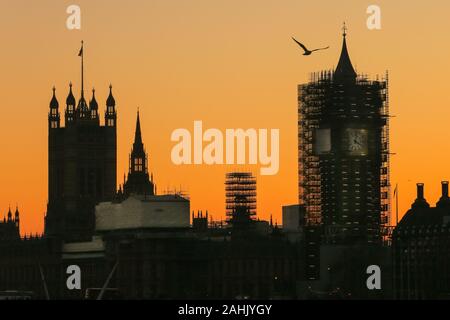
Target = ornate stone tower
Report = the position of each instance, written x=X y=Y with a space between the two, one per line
x=138 y=179
x=81 y=164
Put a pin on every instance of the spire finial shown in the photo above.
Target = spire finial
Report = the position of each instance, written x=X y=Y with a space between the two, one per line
x=54 y=102
x=110 y=102
x=137 y=134
x=344 y=69
x=344 y=29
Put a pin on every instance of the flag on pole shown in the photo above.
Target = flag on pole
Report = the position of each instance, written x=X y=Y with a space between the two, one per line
x=81 y=50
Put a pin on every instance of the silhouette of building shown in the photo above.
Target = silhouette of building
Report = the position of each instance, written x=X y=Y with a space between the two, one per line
x=421 y=249
x=138 y=180
x=200 y=222
x=240 y=191
x=293 y=217
x=144 y=243
x=344 y=180
x=81 y=164
x=344 y=153
x=10 y=226
x=211 y=265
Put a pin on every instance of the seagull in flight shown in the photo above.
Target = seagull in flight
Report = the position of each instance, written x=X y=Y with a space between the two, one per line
x=307 y=52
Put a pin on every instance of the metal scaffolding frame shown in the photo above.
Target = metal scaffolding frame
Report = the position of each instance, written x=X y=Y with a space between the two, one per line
x=313 y=100
x=240 y=192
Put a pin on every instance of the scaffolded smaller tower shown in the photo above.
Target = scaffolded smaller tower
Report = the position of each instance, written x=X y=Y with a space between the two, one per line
x=240 y=190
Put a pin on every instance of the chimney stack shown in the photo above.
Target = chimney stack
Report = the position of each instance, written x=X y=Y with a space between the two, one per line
x=444 y=201
x=420 y=193
x=420 y=201
x=444 y=189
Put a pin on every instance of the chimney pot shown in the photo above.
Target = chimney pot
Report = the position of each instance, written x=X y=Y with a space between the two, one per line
x=444 y=189
x=420 y=193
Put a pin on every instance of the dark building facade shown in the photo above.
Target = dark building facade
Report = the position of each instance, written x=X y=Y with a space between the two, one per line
x=421 y=249
x=143 y=262
x=157 y=264
x=212 y=266
x=344 y=154
x=10 y=226
x=81 y=165
x=344 y=180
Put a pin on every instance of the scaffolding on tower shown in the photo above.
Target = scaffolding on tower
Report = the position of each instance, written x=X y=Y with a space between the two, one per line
x=385 y=183
x=312 y=97
x=322 y=100
x=240 y=192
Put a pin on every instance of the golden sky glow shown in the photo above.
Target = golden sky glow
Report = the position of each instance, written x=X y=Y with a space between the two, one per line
x=228 y=63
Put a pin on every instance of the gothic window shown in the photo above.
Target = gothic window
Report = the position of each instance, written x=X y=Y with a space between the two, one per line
x=138 y=164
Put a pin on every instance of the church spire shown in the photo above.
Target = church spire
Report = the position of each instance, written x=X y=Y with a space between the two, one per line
x=137 y=133
x=70 y=97
x=70 y=106
x=138 y=181
x=17 y=217
x=93 y=106
x=344 y=69
x=53 y=116
x=138 y=156
x=54 y=102
x=110 y=102
x=110 y=113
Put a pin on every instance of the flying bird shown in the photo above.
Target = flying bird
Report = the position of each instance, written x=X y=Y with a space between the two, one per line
x=307 y=52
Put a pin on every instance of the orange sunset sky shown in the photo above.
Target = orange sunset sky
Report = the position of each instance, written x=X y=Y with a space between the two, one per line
x=229 y=63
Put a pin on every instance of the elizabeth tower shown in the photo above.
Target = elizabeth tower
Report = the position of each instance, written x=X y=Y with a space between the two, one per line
x=344 y=154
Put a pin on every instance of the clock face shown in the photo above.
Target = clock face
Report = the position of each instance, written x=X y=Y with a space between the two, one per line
x=322 y=141
x=356 y=141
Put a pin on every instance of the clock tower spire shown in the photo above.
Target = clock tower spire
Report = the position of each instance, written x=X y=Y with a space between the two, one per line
x=344 y=70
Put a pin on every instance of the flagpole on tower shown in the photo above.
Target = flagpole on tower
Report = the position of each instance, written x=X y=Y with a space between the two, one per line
x=81 y=54
x=396 y=203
